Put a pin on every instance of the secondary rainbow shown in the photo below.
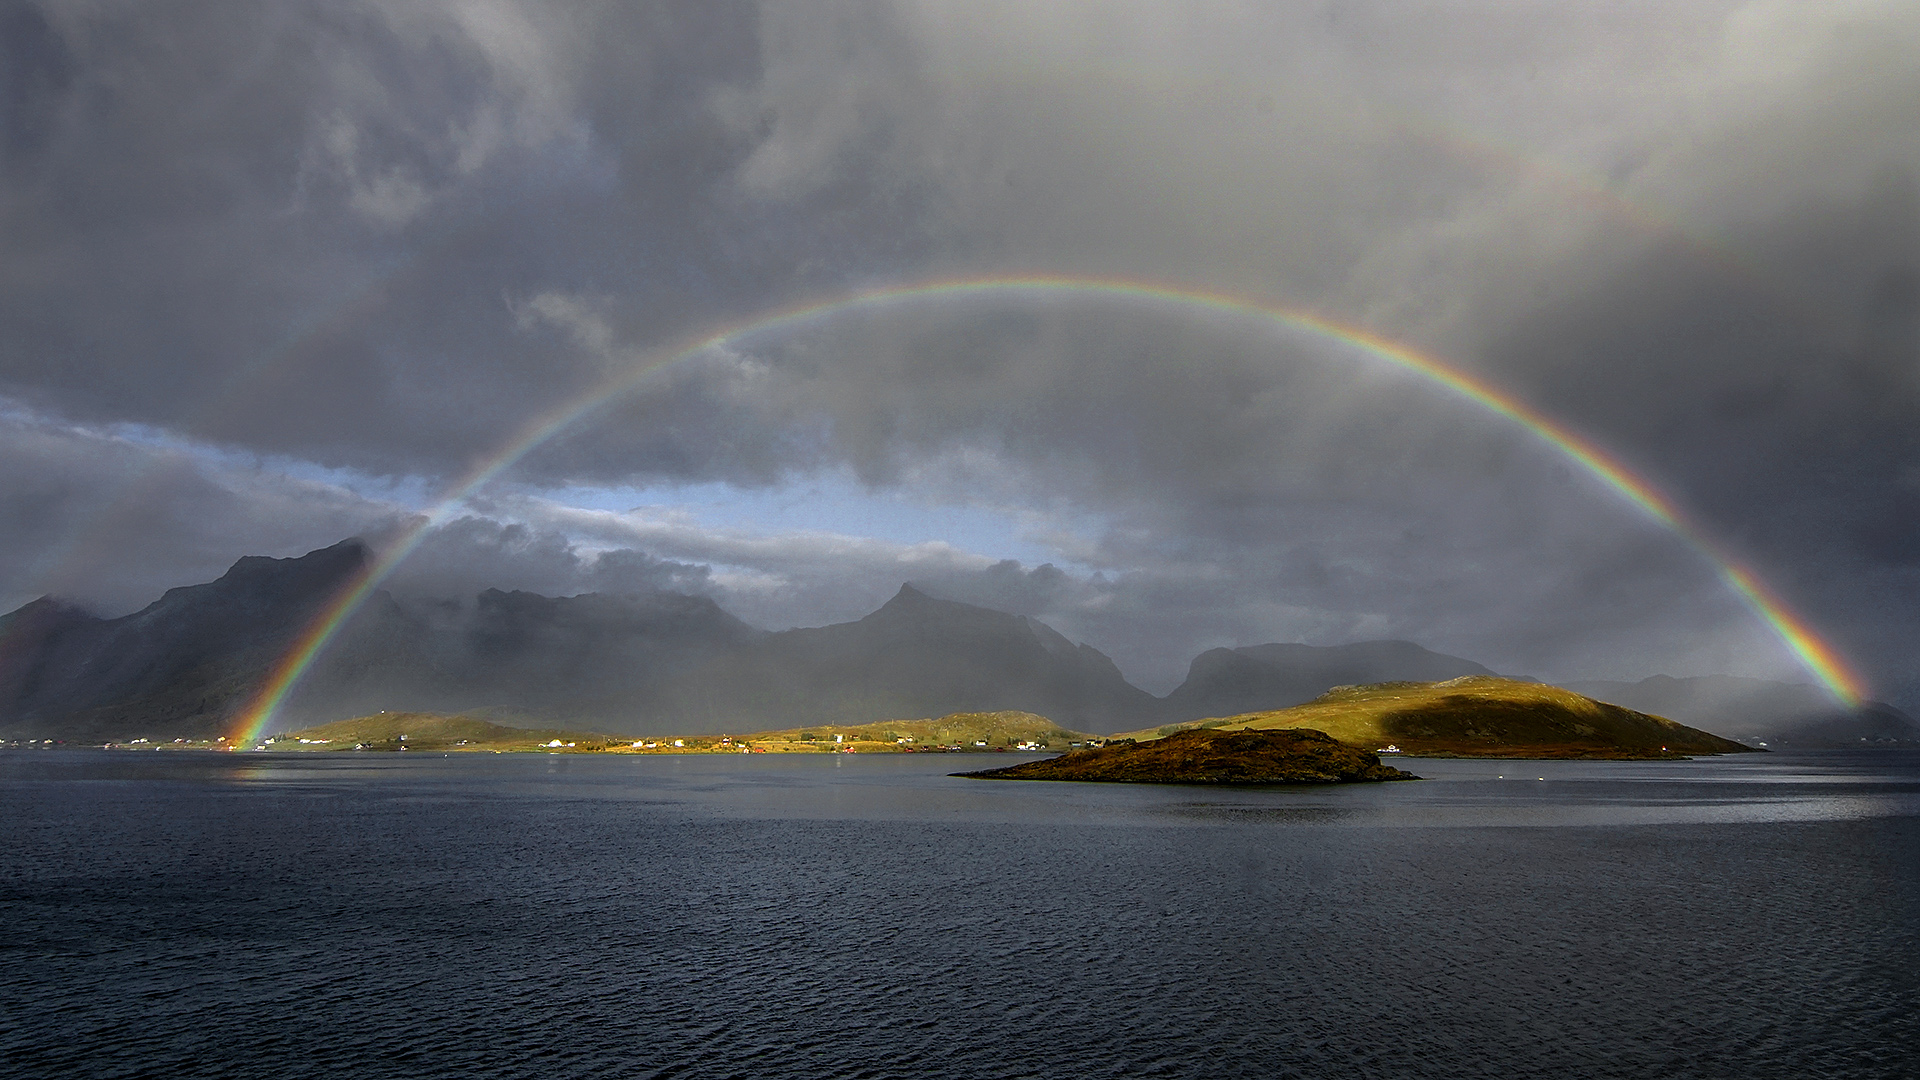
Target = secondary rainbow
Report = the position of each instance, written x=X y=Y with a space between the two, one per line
x=1820 y=659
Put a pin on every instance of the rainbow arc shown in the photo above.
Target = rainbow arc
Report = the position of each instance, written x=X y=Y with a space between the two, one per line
x=1820 y=659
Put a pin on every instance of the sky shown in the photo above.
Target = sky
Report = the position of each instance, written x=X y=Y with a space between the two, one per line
x=281 y=274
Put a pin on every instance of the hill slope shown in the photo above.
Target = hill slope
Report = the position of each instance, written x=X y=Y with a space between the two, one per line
x=1479 y=716
x=431 y=731
x=435 y=731
x=966 y=731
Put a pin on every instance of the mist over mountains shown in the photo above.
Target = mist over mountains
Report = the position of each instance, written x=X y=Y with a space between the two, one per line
x=178 y=667
x=667 y=662
x=1760 y=712
x=1226 y=682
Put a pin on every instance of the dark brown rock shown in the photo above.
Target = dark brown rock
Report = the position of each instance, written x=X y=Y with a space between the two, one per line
x=1202 y=756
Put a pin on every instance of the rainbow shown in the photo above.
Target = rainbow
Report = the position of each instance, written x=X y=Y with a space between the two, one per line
x=1819 y=659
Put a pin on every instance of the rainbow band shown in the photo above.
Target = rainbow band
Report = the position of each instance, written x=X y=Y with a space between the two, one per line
x=1819 y=658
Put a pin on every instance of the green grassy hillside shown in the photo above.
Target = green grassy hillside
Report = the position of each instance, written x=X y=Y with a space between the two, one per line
x=997 y=730
x=1477 y=716
x=433 y=731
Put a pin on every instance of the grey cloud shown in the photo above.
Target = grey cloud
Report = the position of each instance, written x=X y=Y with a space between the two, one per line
x=386 y=238
x=473 y=553
x=95 y=517
x=304 y=230
x=1612 y=600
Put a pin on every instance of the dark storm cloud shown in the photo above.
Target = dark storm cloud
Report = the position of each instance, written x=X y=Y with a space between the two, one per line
x=1718 y=283
x=1782 y=413
x=1235 y=482
x=385 y=236
x=303 y=228
x=474 y=553
x=109 y=521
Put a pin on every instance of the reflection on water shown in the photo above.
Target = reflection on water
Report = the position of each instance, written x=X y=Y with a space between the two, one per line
x=1747 y=788
x=396 y=915
x=1757 y=788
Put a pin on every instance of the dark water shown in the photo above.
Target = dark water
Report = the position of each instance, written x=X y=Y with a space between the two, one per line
x=181 y=915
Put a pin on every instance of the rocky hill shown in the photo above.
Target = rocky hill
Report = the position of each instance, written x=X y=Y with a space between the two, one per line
x=1203 y=756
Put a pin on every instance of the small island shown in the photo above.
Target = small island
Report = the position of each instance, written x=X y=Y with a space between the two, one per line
x=1208 y=756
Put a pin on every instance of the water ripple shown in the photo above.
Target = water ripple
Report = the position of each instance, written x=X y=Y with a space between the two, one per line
x=481 y=920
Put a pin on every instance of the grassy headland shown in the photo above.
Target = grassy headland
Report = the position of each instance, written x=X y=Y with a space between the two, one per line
x=1008 y=730
x=434 y=731
x=1476 y=716
x=431 y=731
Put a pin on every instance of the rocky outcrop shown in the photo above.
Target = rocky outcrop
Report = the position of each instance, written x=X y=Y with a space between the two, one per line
x=1292 y=756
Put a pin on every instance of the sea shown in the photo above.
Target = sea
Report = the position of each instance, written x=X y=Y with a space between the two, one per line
x=372 y=915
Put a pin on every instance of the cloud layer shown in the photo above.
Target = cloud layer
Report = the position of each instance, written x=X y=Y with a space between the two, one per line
x=275 y=278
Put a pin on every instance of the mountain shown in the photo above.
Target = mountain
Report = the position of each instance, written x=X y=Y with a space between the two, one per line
x=186 y=664
x=917 y=656
x=1226 y=682
x=596 y=660
x=177 y=666
x=1477 y=716
x=667 y=662
x=1761 y=712
x=674 y=663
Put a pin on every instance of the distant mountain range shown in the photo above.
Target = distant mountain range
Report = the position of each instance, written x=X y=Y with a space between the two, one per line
x=666 y=662
x=1761 y=713
x=673 y=663
x=178 y=667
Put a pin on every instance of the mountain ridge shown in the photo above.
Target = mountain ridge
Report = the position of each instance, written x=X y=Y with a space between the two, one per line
x=180 y=664
x=1761 y=712
x=671 y=662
